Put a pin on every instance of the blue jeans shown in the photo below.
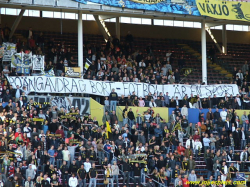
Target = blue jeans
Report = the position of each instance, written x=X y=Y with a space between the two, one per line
x=173 y=147
x=112 y=106
x=92 y=180
x=243 y=144
x=209 y=173
x=131 y=123
x=126 y=177
x=59 y=72
x=52 y=160
x=115 y=178
x=125 y=121
x=110 y=182
x=167 y=148
x=131 y=176
x=213 y=147
x=65 y=134
x=205 y=148
x=219 y=130
x=143 y=179
x=58 y=163
x=216 y=174
x=107 y=155
x=82 y=182
x=246 y=127
x=100 y=156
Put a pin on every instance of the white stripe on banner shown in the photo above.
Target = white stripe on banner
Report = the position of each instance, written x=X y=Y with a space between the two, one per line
x=42 y=84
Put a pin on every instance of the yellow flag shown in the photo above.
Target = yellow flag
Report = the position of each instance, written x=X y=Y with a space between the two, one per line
x=220 y=9
x=108 y=129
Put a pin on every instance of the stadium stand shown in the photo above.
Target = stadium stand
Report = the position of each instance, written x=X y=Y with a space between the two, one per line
x=43 y=145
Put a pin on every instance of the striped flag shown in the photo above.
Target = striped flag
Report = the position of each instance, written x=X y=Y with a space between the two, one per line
x=87 y=64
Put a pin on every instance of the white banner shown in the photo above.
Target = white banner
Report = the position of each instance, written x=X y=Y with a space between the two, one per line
x=43 y=84
x=38 y=62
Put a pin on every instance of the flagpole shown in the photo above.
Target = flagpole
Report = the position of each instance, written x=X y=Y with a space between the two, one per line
x=80 y=42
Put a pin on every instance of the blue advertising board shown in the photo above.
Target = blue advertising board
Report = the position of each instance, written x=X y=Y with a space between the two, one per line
x=186 y=7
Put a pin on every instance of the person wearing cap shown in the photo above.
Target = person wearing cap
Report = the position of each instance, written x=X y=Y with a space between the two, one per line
x=30 y=172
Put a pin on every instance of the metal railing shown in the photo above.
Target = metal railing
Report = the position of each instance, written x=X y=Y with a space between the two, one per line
x=159 y=184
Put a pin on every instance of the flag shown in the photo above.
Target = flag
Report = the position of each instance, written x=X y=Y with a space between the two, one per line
x=108 y=129
x=9 y=50
x=187 y=71
x=38 y=62
x=23 y=67
x=87 y=64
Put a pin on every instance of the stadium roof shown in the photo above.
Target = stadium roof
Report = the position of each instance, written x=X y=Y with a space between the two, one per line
x=108 y=11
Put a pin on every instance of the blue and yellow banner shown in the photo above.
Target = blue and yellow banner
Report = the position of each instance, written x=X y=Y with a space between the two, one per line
x=230 y=10
x=168 y=6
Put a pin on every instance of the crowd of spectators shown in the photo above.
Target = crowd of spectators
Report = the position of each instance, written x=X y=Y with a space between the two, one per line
x=42 y=147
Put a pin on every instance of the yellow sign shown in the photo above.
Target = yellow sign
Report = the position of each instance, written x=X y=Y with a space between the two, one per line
x=230 y=10
x=147 y=1
x=72 y=72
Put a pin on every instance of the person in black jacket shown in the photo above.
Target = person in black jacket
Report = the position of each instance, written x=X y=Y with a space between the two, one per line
x=35 y=142
x=81 y=173
x=113 y=98
x=59 y=157
x=216 y=115
x=44 y=159
x=73 y=168
x=65 y=174
x=131 y=117
x=9 y=183
x=126 y=171
x=209 y=166
x=137 y=174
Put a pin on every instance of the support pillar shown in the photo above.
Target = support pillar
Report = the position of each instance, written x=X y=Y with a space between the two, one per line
x=204 y=52
x=16 y=23
x=224 y=39
x=80 y=42
x=117 y=27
